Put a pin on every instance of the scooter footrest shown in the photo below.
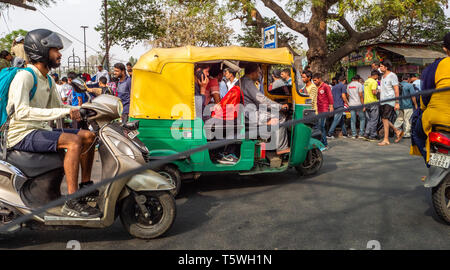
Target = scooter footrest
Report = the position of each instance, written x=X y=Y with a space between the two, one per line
x=58 y=220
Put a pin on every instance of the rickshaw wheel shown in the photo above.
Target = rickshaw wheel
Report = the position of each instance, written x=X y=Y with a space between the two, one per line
x=312 y=163
x=173 y=175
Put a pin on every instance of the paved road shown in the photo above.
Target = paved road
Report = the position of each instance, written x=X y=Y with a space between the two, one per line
x=363 y=192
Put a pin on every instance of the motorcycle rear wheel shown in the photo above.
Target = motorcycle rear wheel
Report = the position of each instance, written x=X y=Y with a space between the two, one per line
x=441 y=199
x=162 y=208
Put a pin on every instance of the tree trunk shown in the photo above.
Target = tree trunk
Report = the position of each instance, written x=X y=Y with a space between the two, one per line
x=317 y=40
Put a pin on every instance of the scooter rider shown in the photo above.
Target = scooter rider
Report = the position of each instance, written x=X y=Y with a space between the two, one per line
x=29 y=130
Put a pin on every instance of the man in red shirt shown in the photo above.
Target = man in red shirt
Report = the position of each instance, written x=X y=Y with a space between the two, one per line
x=324 y=104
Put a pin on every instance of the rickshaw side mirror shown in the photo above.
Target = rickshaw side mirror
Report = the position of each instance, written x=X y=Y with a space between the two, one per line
x=134 y=125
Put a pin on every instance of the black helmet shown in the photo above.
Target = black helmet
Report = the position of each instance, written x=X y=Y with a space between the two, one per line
x=38 y=43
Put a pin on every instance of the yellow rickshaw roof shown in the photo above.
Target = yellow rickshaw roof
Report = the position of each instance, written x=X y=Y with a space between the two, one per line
x=155 y=59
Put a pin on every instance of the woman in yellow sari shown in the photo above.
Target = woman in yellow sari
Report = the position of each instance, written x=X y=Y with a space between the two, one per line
x=434 y=109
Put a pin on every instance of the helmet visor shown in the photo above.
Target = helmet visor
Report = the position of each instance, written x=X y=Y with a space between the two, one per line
x=56 y=40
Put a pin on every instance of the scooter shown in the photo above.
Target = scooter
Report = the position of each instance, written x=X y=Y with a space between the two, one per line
x=144 y=201
x=439 y=171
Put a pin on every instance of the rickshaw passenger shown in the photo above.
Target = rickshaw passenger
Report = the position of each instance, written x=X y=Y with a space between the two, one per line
x=286 y=75
x=212 y=91
x=278 y=87
x=201 y=83
x=213 y=88
x=253 y=96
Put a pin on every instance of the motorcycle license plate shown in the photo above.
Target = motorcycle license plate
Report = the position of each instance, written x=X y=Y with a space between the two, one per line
x=132 y=134
x=440 y=160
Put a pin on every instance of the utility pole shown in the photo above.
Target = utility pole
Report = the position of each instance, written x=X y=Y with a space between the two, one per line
x=106 y=35
x=85 y=51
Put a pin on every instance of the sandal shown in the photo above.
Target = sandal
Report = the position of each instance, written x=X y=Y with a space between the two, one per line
x=399 y=137
x=383 y=143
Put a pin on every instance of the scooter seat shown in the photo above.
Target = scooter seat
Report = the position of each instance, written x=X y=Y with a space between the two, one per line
x=35 y=164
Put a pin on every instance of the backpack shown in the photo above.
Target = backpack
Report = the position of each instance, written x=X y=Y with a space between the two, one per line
x=6 y=77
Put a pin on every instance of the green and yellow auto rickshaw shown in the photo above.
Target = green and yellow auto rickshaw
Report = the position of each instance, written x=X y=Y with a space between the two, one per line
x=163 y=100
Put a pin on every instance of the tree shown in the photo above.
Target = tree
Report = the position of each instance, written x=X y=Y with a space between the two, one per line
x=431 y=29
x=311 y=18
x=27 y=4
x=6 y=41
x=131 y=21
x=198 y=23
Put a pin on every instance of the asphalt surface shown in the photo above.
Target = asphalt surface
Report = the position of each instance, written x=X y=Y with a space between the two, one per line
x=363 y=192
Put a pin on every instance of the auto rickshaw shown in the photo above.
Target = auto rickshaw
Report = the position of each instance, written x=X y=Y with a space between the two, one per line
x=162 y=99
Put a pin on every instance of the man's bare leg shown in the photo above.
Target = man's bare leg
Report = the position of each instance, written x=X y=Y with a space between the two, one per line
x=396 y=131
x=87 y=154
x=73 y=144
x=386 y=132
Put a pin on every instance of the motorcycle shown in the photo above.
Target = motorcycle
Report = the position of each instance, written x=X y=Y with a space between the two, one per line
x=144 y=201
x=439 y=172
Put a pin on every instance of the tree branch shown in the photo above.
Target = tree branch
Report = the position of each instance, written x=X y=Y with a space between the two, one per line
x=355 y=39
x=18 y=3
x=260 y=23
x=286 y=19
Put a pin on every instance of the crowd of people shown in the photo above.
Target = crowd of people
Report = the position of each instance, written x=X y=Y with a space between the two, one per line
x=373 y=123
x=117 y=84
x=382 y=84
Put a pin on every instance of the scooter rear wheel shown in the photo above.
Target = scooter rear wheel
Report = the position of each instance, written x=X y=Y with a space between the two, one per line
x=162 y=208
x=441 y=199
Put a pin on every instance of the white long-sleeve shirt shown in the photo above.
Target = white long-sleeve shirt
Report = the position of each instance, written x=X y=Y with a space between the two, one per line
x=100 y=74
x=31 y=115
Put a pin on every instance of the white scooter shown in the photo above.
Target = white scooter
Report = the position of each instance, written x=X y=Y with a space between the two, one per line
x=144 y=201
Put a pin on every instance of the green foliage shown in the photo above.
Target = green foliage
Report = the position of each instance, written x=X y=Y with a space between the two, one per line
x=165 y=23
x=130 y=22
x=252 y=35
x=6 y=41
x=429 y=27
x=336 y=38
x=198 y=23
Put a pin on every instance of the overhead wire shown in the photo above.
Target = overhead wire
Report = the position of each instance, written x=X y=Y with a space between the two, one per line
x=75 y=38
x=6 y=23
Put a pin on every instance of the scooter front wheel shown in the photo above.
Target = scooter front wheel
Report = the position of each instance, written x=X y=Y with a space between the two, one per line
x=159 y=217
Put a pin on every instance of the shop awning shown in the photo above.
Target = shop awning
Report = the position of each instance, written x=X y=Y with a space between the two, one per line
x=418 y=56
